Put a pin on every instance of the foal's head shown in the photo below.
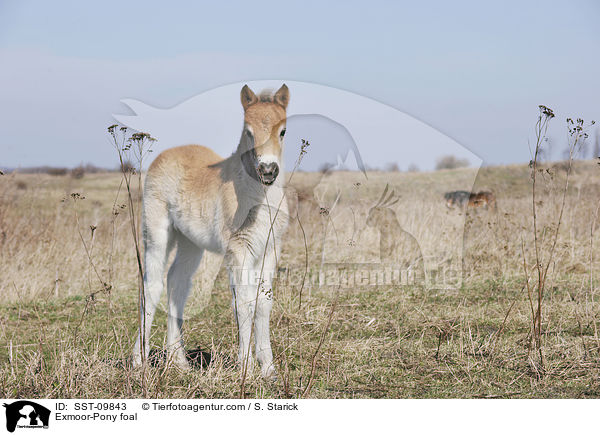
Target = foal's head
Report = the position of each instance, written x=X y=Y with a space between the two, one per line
x=264 y=129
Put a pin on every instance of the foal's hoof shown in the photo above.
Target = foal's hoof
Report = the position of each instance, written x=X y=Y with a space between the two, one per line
x=270 y=375
x=180 y=364
x=183 y=367
x=135 y=361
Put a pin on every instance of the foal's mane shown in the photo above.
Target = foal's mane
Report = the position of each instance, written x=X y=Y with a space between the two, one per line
x=267 y=96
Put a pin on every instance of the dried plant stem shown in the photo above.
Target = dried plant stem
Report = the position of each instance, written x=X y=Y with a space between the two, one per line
x=577 y=135
x=137 y=144
x=541 y=129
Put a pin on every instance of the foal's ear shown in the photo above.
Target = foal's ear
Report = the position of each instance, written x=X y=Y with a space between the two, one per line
x=282 y=96
x=248 y=97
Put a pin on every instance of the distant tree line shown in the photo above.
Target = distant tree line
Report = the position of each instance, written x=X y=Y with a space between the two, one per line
x=58 y=171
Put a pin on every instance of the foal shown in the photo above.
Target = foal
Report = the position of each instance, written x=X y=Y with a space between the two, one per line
x=200 y=202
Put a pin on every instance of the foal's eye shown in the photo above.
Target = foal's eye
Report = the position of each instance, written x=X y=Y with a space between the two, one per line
x=282 y=133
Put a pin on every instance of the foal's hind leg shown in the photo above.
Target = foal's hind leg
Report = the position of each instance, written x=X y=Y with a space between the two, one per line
x=179 y=283
x=158 y=241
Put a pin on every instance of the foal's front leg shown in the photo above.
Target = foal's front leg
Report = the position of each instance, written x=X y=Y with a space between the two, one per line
x=251 y=289
x=243 y=303
x=264 y=304
x=252 y=299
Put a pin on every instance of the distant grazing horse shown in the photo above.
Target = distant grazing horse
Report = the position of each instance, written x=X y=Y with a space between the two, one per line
x=462 y=198
x=200 y=202
x=396 y=246
x=483 y=199
x=457 y=198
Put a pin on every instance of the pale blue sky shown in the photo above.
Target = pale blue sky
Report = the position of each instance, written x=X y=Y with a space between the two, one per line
x=475 y=71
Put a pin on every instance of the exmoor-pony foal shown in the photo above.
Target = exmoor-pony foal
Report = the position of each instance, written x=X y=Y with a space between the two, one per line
x=198 y=201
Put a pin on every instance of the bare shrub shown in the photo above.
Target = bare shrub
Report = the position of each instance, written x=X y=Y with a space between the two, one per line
x=93 y=169
x=413 y=168
x=564 y=166
x=325 y=168
x=451 y=162
x=78 y=172
x=127 y=167
x=392 y=167
x=57 y=172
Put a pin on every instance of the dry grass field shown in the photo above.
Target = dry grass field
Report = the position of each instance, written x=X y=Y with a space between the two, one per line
x=63 y=333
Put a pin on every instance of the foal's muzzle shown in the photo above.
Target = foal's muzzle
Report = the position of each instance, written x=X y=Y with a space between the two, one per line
x=268 y=172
